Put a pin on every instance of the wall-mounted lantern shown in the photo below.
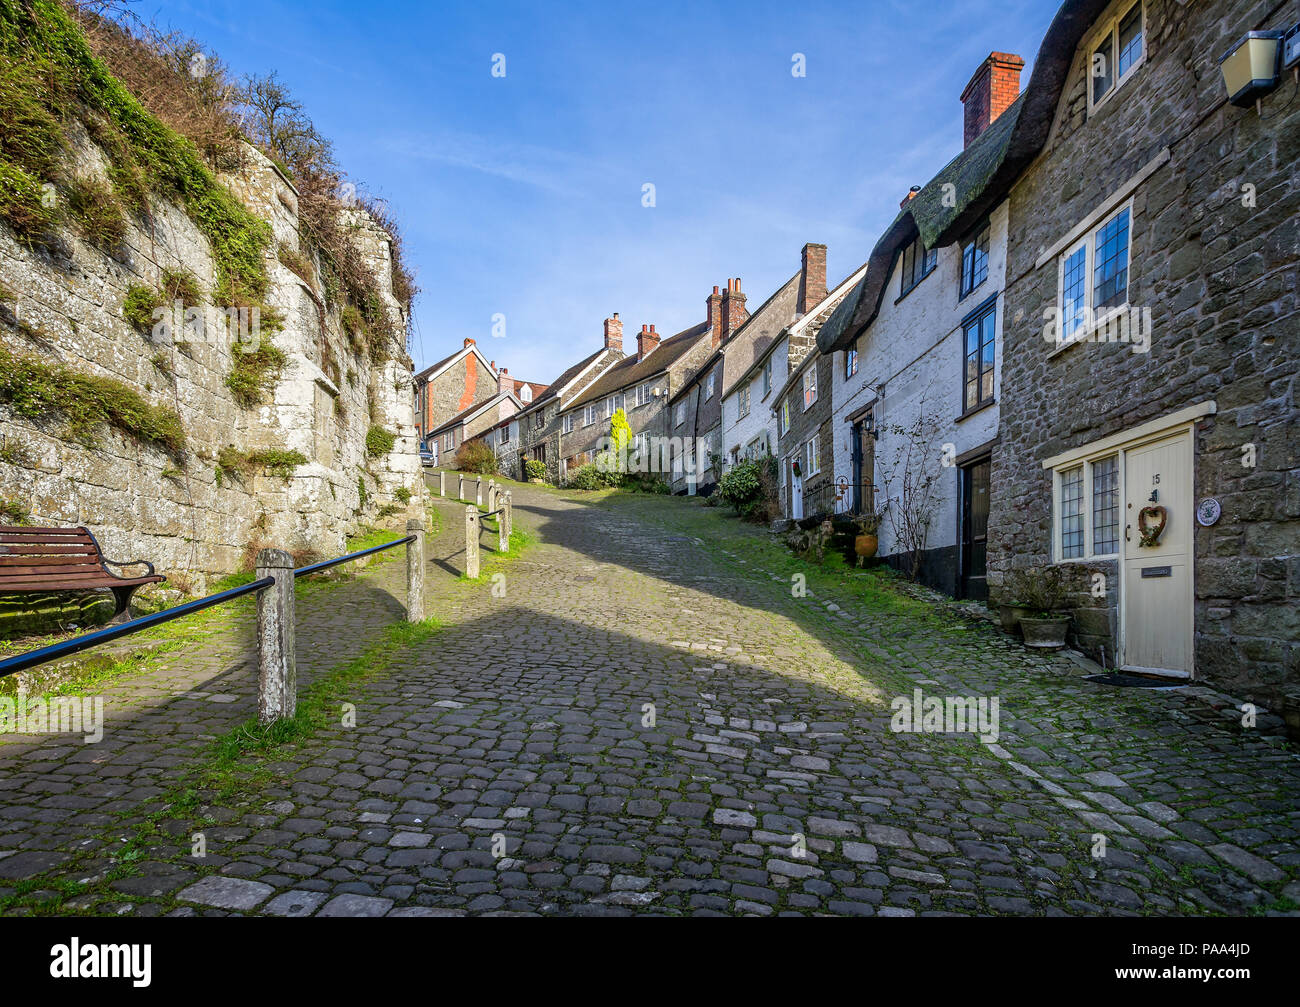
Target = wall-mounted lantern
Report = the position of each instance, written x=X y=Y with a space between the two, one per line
x=1250 y=68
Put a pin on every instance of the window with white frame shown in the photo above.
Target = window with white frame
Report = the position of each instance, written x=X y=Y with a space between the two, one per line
x=525 y=394
x=566 y=424
x=742 y=401
x=851 y=360
x=1117 y=51
x=642 y=394
x=767 y=377
x=505 y=434
x=1088 y=508
x=708 y=386
x=809 y=386
x=812 y=458
x=785 y=416
x=1092 y=276
x=589 y=415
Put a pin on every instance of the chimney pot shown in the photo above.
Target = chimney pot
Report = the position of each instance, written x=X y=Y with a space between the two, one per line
x=812 y=278
x=646 y=341
x=992 y=89
x=614 y=333
x=469 y=342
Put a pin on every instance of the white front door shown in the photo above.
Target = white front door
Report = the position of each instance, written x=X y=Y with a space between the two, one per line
x=796 y=493
x=1157 y=618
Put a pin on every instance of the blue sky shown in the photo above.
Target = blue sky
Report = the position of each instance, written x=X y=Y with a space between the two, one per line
x=522 y=195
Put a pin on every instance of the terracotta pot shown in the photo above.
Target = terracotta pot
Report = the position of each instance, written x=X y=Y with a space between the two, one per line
x=1045 y=634
x=865 y=546
x=1010 y=616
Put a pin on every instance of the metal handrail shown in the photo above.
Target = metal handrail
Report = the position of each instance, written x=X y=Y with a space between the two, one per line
x=79 y=643
x=54 y=651
x=326 y=564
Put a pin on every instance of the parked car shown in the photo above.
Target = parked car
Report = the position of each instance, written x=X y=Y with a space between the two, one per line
x=426 y=457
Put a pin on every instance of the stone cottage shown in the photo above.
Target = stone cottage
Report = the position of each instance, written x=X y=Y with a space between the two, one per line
x=917 y=360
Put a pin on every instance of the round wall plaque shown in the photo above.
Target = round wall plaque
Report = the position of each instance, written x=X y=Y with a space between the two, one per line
x=1208 y=511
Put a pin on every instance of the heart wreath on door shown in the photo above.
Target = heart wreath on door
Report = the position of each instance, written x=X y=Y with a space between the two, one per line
x=1151 y=532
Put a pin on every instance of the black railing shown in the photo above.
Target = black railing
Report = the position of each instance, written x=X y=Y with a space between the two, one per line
x=54 y=651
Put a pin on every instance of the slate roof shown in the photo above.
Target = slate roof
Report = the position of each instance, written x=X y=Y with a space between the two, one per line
x=980 y=175
x=761 y=327
x=553 y=389
x=473 y=410
x=630 y=371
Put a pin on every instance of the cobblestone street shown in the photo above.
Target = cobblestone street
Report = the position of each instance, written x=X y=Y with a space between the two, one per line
x=505 y=765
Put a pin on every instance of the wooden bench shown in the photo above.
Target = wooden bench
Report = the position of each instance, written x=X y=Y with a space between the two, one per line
x=64 y=559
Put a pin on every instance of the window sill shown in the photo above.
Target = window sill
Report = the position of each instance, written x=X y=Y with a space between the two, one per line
x=1088 y=335
x=975 y=409
x=904 y=294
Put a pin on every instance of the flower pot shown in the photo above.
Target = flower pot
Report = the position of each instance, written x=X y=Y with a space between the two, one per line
x=1044 y=633
x=1010 y=616
x=865 y=546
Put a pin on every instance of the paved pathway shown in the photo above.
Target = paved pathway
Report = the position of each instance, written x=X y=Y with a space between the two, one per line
x=635 y=722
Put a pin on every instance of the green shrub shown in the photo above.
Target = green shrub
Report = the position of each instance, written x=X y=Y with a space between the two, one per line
x=23 y=208
x=273 y=461
x=13 y=513
x=740 y=486
x=181 y=285
x=588 y=477
x=255 y=372
x=33 y=388
x=534 y=468
x=403 y=494
x=477 y=457
x=98 y=212
x=139 y=305
x=379 y=441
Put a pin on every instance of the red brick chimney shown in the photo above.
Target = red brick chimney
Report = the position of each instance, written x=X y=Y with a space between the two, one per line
x=504 y=384
x=995 y=85
x=734 y=311
x=646 y=341
x=911 y=195
x=469 y=342
x=812 y=278
x=713 y=312
x=614 y=334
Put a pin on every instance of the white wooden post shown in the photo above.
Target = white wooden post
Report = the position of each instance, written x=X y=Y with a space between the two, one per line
x=442 y=483
x=277 y=678
x=415 y=571
x=478 y=491
x=508 y=514
x=471 y=541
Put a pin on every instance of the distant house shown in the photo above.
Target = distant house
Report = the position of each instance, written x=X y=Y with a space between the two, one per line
x=539 y=431
x=473 y=422
x=641 y=385
x=450 y=387
x=455 y=384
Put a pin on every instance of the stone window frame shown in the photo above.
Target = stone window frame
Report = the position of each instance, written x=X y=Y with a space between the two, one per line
x=1087 y=503
x=1088 y=242
x=809 y=382
x=1108 y=33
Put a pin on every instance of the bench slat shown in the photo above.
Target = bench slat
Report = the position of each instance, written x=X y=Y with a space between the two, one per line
x=66 y=570
x=27 y=529
x=58 y=584
x=49 y=559
x=81 y=540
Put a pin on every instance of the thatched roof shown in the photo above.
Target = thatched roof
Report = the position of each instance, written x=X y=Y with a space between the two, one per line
x=980 y=176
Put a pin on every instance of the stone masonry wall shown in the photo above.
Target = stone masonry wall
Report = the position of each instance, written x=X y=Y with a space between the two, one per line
x=1215 y=257
x=140 y=502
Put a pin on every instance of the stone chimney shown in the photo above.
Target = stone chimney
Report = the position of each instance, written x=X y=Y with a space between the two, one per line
x=504 y=384
x=995 y=85
x=614 y=334
x=646 y=341
x=713 y=312
x=812 y=278
x=734 y=311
